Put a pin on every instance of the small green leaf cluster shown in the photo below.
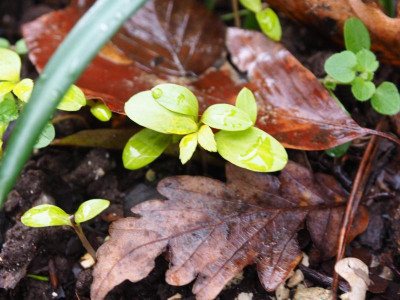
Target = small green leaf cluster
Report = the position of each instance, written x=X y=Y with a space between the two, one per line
x=19 y=47
x=169 y=113
x=266 y=18
x=356 y=67
x=15 y=93
x=50 y=215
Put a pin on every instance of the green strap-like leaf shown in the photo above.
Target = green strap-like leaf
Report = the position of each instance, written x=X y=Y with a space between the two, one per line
x=45 y=215
x=245 y=101
x=252 y=149
x=187 y=146
x=226 y=117
x=143 y=148
x=176 y=98
x=90 y=209
x=144 y=110
x=81 y=45
x=10 y=65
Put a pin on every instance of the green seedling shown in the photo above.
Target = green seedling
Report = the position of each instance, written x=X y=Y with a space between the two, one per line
x=15 y=93
x=50 y=215
x=169 y=113
x=266 y=18
x=356 y=67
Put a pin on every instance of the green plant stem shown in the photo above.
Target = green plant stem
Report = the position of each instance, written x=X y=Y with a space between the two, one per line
x=84 y=240
x=231 y=16
x=38 y=277
x=87 y=37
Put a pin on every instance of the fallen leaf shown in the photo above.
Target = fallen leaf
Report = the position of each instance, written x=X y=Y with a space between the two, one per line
x=114 y=139
x=292 y=105
x=212 y=230
x=329 y=17
x=356 y=274
x=164 y=37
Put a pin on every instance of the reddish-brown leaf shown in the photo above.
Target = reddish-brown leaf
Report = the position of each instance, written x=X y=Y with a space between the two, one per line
x=329 y=16
x=212 y=230
x=293 y=106
x=165 y=38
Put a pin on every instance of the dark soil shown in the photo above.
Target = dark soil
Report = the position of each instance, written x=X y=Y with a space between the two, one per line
x=68 y=176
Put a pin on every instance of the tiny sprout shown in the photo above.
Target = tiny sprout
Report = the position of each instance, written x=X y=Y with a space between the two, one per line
x=356 y=67
x=50 y=215
x=170 y=113
x=266 y=18
x=101 y=112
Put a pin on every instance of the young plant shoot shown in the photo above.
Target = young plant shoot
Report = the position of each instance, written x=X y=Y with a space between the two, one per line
x=169 y=113
x=15 y=93
x=50 y=215
x=356 y=67
x=266 y=18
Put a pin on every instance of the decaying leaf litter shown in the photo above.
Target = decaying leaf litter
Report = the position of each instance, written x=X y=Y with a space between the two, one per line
x=321 y=136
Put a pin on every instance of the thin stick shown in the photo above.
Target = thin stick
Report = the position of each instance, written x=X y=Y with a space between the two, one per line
x=235 y=7
x=357 y=191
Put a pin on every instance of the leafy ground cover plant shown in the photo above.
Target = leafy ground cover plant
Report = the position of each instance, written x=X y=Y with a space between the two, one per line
x=356 y=67
x=170 y=114
x=50 y=215
x=266 y=18
x=15 y=94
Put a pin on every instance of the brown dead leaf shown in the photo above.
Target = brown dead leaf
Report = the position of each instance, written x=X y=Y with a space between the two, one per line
x=293 y=106
x=329 y=16
x=212 y=231
x=164 y=37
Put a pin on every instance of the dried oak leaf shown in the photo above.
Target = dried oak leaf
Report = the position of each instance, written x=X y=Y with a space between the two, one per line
x=292 y=105
x=163 y=38
x=212 y=231
x=329 y=17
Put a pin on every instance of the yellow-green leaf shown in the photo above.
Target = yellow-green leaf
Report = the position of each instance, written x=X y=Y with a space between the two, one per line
x=23 y=89
x=252 y=149
x=6 y=87
x=144 y=110
x=187 y=146
x=143 y=148
x=45 y=215
x=206 y=138
x=73 y=100
x=226 y=117
x=176 y=98
x=10 y=65
x=90 y=209
x=101 y=112
x=270 y=24
x=245 y=101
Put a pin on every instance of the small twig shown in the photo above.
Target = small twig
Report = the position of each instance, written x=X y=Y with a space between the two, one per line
x=235 y=7
x=357 y=191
